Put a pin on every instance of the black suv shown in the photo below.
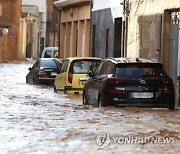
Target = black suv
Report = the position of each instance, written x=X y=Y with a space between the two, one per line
x=125 y=82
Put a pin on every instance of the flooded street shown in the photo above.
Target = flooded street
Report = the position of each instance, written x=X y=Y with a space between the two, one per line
x=34 y=119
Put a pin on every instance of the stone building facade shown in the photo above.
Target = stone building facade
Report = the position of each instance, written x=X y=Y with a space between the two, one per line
x=74 y=27
x=147 y=28
x=42 y=17
x=30 y=31
x=52 y=21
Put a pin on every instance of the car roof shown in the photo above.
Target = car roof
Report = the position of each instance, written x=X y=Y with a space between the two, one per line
x=130 y=60
x=56 y=48
x=43 y=59
x=83 y=58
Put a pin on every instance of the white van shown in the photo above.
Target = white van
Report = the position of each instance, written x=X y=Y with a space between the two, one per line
x=50 y=52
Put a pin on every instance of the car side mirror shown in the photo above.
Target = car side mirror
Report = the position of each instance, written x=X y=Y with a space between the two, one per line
x=90 y=74
x=29 y=68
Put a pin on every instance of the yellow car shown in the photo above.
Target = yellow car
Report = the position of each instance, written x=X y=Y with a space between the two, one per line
x=73 y=74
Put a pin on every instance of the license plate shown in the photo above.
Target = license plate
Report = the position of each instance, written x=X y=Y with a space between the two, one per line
x=142 y=95
x=53 y=73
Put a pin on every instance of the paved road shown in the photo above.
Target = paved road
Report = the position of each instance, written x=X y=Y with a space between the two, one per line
x=34 y=119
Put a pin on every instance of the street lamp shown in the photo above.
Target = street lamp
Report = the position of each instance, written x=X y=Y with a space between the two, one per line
x=4 y=31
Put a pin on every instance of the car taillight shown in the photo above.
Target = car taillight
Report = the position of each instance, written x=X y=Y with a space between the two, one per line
x=116 y=91
x=42 y=73
x=70 y=77
x=116 y=80
x=166 y=80
x=167 y=91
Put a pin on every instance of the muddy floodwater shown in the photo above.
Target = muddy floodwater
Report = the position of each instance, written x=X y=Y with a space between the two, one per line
x=34 y=119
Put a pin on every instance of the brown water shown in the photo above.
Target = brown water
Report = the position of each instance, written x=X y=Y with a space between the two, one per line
x=34 y=119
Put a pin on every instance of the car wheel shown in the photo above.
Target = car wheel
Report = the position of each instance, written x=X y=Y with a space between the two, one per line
x=101 y=102
x=26 y=80
x=65 y=90
x=36 y=81
x=85 y=101
x=55 y=90
x=33 y=82
x=172 y=106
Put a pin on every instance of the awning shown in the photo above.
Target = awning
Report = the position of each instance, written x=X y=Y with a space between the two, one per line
x=6 y=24
x=66 y=3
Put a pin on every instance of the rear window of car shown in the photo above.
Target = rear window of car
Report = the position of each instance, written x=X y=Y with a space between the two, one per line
x=143 y=70
x=48 y=63
x=48 y=54
x=83 y=66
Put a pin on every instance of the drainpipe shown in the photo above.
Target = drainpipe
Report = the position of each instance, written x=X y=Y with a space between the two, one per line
x=125 y=29
x=126 y=12
x=90 y=45
x=125 y=37
x=59 y=30
x=178 y=67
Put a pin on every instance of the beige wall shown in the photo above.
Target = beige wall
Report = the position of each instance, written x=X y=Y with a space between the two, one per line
x=143 y=29
x=10 y=47
x=75 y=13
x=23 y=38
x=75 y=31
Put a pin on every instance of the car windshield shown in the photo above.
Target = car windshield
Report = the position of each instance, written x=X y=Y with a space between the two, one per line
x=48 y=63
x=83 y=66
x=143 y=70
x=55 y=53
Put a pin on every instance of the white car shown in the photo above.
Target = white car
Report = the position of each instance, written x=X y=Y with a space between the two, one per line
x=50 y=52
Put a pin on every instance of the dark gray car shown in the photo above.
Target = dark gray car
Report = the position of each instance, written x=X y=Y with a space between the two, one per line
x=124 y=82
x=43 y=71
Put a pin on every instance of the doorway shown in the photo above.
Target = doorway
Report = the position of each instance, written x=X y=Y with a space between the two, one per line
x=118 y=37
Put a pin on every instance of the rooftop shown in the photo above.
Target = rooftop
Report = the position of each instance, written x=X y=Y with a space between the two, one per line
x=131 y=60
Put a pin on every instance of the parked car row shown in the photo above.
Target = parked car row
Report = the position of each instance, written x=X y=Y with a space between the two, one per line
x=106 y=82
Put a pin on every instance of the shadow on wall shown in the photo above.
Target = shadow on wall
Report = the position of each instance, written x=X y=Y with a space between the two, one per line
x=28 y=50
x=149 y=35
